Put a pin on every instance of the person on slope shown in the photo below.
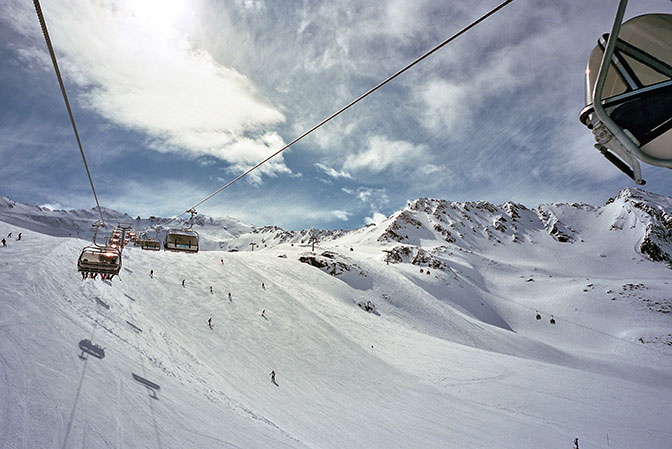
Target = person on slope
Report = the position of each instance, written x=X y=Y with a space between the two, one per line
x=230 y=300
x=263 y=286
x=211 y=289
x=151 y=274
x=210 y=322
x=19 y=238
x=183 y=282
x=263 y=313
x=4 y=242
x=576 y=443
x=9 y=235
x=273 y=377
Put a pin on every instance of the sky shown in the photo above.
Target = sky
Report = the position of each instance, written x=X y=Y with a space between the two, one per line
x=174 y=98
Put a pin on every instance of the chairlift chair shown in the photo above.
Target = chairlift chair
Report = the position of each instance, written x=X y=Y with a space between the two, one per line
x=186 y=239
x=151 y=245
x=629 y=93
x=99 y=259
x=96 y=259
x=181 y=240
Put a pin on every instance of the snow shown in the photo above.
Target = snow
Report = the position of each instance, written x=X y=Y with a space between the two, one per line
x=454 y=358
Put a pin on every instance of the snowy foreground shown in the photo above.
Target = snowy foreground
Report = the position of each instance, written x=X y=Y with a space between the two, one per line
x=451 y=354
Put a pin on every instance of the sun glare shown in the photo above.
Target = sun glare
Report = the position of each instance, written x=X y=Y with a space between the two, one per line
x=161 y=13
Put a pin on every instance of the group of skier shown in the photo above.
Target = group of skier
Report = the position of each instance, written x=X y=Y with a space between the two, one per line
x=210 y=325
x=4 y=240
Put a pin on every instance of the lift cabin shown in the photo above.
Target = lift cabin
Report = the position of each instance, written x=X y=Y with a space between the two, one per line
x=181 y=240
x=629 y=93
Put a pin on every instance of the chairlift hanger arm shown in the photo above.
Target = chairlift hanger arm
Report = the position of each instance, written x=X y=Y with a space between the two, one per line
x=357 y=100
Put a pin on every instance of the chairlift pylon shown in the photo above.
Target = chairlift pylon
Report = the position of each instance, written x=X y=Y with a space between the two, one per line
x=629 y=93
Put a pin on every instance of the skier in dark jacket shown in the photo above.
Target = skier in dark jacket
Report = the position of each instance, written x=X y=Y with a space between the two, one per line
x=210 y=322
x=151 y=274
x=183 y=282
x=273 y=377
x=19 y=236
x=4 y=242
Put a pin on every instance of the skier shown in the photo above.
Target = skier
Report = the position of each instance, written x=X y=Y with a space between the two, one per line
x=211 y=289
x=4 y=242
x=576 y=443
x=151 y=274
x=9 y=235
x=210 y=322
x=19 y=236
x=222 y=261
x=263 y=286
x=273 y=377
x=183 y=282
x=230 y=300
x=263 y=313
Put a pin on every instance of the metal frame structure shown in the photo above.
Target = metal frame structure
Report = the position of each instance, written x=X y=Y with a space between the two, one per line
x=608 y=134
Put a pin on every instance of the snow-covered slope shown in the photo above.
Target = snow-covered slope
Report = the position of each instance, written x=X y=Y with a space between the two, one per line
x=420 y=331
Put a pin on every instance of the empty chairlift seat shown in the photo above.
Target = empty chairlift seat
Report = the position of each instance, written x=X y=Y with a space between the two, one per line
x=637 y=92
x=181 y=240
x=151 y=245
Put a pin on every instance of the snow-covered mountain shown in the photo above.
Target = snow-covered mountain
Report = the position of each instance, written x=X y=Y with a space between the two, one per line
x=431 y=328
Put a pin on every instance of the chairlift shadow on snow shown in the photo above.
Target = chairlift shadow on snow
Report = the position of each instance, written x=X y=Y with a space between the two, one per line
x=102 y=303
x=151 y=386
x=90 y=348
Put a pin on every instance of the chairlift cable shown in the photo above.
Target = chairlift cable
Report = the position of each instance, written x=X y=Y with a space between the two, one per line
x=43 y=24
x=358 y=99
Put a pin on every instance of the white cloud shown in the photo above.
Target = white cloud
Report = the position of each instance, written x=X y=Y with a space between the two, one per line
x=383 y=154
x=375 y=219
x=341 y=214
x=141 y=72
x=333 y=172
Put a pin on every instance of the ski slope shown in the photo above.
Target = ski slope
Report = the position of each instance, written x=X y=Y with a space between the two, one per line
x=452 y=359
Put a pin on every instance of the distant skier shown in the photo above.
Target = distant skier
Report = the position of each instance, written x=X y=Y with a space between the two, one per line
x=211 y=289
x=230 y=300
x=273 y=377
x=210 y=322
x=263 y=313
x=4 y=242
x=263 y=286
x=151 y=274
x=19 y=236
x=9 y=235
x=183 y=282
x=576 y=443
x=222 y=261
